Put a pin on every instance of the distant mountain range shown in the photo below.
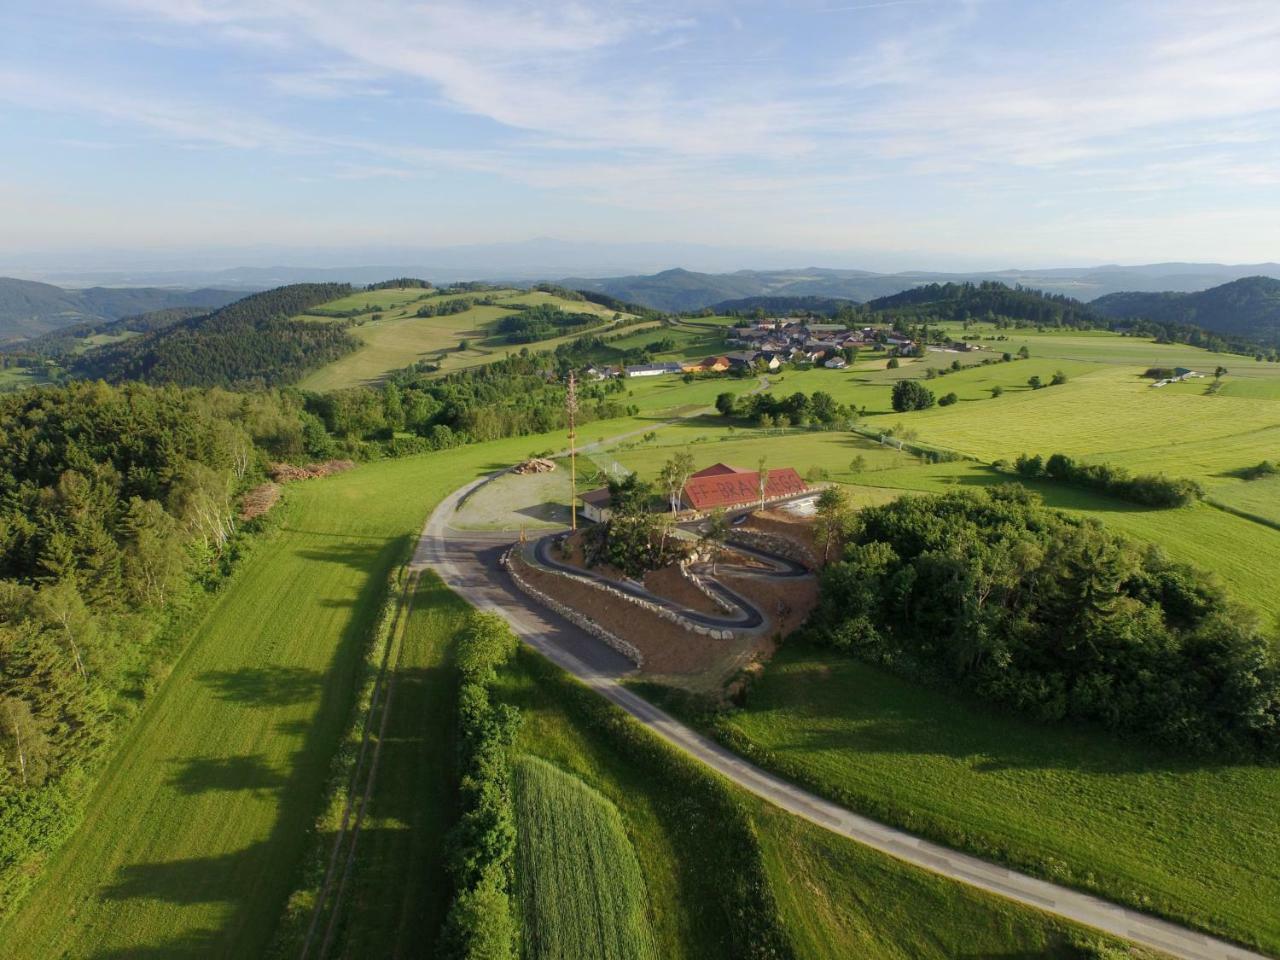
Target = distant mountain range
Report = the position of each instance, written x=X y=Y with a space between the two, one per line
x=686 y=290
x=1246 y=308
x=28 y=309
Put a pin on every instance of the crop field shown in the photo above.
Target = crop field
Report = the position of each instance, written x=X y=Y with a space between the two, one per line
x=1195 y=840
x=400 y=337
x=580 y=886
x=195 y=830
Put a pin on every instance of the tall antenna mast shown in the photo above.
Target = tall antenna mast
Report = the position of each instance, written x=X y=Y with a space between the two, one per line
x=571 y=407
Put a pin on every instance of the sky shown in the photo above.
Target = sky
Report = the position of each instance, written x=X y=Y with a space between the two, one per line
x=876 y=132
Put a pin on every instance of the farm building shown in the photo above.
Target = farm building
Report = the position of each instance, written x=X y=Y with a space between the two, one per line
x=723 y=487
x=595 y=505
x=652 y=369
x=836 y=363
x=709 y=365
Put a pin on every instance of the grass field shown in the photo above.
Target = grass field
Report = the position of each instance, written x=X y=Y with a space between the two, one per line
x=399 y=337
x=834 y=898
x=196 y=829
x=19 y=378
x=841 y=900
x=399 y=890
x=578 y=879
x=1194 y=840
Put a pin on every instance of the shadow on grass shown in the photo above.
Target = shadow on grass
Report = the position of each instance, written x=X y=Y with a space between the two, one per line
x=264 y=686
x=857 y=708
x=198 y=943
x=202 y=774
x=254 y=882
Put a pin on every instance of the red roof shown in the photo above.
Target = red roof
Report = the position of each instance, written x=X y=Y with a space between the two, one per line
x=737 y=487
x=716 y=470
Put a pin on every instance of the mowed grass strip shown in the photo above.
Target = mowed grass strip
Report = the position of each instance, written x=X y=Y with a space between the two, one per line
x=1192 y=839
x=400 y=891
x=580 y=886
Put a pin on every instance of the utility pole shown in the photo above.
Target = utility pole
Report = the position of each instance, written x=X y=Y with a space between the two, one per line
x=571 y=407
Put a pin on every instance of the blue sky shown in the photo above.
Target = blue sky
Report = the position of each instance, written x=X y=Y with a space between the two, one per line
x=997 y=132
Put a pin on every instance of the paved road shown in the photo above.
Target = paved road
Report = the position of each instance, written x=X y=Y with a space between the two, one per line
x=468 y=564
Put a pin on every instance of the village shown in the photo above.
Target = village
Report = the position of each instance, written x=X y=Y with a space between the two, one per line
x=766 y=345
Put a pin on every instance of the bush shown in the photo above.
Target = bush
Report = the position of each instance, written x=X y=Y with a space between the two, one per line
x=947 y=400
x=911 y=395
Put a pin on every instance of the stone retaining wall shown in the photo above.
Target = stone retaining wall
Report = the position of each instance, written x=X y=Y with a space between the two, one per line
x=700 y=585
x=578 y=619
x=665 y=612
x=772 y=543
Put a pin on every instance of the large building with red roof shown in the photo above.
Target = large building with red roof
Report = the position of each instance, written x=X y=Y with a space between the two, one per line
x=721 y=486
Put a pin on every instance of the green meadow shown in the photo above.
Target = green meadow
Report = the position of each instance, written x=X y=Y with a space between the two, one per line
x=194 y=834
x=398 y=337
x=1190 y=839
x=827 y=896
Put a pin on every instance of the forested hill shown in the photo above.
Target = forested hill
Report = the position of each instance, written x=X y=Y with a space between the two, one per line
x=28 y=309
x=70 y=340
x=988 y=300
x=250 y=343
x=782 y=305
x=1248 y=308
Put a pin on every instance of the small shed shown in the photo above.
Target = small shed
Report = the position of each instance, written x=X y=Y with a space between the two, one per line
x=595 y=505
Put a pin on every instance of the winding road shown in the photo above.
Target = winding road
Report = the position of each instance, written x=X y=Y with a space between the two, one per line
x=467 y=562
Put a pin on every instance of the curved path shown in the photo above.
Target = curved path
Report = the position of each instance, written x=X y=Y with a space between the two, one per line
x=745 y=616
x=467 y=566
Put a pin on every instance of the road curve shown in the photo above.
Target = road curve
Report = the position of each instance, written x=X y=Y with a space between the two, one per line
x=452 y=556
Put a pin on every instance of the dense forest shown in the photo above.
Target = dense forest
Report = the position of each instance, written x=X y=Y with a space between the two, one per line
x=1246 y=309
x=987 y=301
x=545 y=321
x=250 y=343
x=1053 y=616
x=117 y=509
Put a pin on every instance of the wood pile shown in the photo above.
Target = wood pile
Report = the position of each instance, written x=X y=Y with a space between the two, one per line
x=536 y=465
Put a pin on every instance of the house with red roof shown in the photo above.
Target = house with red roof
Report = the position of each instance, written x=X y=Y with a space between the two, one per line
x=721 y=486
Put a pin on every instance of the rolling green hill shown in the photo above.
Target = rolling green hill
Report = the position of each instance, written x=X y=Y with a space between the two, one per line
x=28 y=309
x=1249 y=308
x=252 y=342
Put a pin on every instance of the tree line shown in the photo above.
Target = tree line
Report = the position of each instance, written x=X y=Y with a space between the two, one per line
x=117 y=510
x=1053 y=616
x=1150 y=490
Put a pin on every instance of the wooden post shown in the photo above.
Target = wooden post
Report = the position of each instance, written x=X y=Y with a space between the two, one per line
x=571 y=406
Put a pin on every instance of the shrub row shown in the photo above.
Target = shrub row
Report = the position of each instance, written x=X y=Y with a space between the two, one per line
x=482 y=920
x=1150 y=490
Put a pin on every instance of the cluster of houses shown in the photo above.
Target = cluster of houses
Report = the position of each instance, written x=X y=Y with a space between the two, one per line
x=717 y=487
x=768 y=344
